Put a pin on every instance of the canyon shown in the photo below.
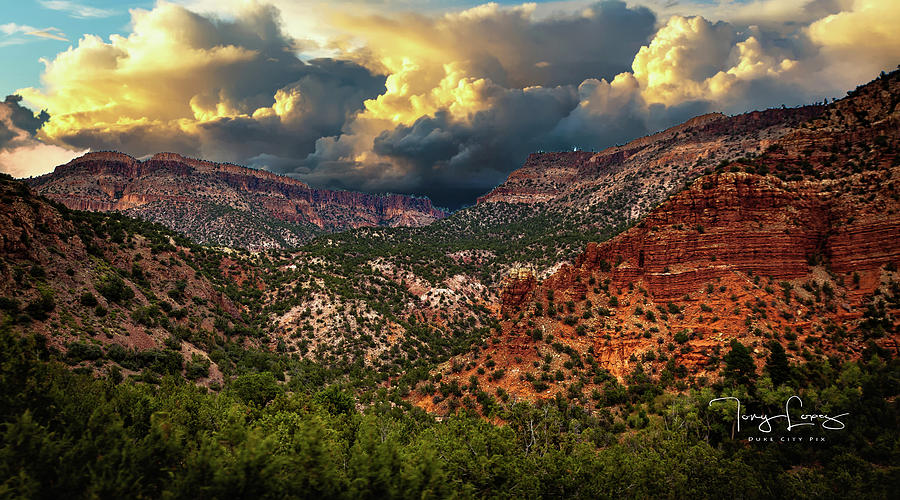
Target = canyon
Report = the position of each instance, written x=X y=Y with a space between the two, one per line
x=642 y=173
x=779 y=226
x=797 y=245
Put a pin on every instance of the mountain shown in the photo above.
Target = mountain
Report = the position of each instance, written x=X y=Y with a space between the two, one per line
x=223 y=204
x=643 y=172
x=798 y=245
x=111 y=292
x=815 y=210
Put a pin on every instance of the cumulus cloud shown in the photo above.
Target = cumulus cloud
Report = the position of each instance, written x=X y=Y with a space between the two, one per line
x=510 y=46
x=444 y=103
x=860 y=41
x=221 y=89
x=692 y=59
x=469 y=94
x=21 y=154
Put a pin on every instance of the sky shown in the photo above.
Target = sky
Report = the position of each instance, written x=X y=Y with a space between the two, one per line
x=442 y=99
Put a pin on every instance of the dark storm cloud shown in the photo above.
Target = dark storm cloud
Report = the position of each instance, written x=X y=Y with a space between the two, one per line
x=329 y=92
x=516 y=51
x=453 y=162
x=18 y=123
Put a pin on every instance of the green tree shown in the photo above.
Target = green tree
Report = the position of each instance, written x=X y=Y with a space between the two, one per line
x=739 y=366
x=777 y=364
x=257 y=388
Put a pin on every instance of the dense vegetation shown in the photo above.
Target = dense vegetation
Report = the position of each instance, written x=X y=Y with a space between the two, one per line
x=71 y=435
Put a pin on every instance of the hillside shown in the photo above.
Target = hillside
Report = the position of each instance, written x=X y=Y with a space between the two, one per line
x=797 y=245
x=223 y=204
x=646 y=170
x=110 y=292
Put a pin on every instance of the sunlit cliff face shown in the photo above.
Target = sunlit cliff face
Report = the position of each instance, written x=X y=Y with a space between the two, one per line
x=444 y=104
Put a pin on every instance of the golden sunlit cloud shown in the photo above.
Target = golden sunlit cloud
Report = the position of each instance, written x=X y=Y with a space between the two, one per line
x=442 y=103
x=693 y=59
x=860 y=41
x=21 y=155
x=182 y=81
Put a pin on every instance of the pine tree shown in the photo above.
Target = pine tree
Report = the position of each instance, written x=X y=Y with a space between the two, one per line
x=777 y=364
x=739 y=366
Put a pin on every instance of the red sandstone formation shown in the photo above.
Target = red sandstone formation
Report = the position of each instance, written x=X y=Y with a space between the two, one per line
x=800 y=245
x=517 y=288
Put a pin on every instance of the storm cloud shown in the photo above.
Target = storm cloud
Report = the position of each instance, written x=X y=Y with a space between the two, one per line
x=21 y=153
x=442 y=103
x=18 y=123
x=225 y=90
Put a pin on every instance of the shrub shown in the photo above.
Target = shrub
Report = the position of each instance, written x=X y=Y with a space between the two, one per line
x=117 y=353
x=114 y=289
x=41 y=307
x=145 y=315
x=80 y=351
x=257 y=388
x=9 y=304
x=335 y=401
x=198 y=367
x=88 y=299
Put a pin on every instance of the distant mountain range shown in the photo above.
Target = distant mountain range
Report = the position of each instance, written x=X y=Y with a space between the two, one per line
x=233 y=206
x=223 y=204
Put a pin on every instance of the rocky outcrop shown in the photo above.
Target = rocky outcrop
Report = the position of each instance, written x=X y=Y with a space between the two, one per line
x=647 y=169
x=160 y=187
x=741 y=222
x=517 y=288
x=723 y=223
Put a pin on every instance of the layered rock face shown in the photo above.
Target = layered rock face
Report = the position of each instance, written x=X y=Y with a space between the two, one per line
x=517 y=288
x=645 y=171
x=799 y=245
x=223 y=203
x=748 y=223
x=726 y=222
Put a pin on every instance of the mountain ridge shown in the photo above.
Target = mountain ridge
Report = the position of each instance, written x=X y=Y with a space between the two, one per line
x=663 y=159
x=165 y=186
